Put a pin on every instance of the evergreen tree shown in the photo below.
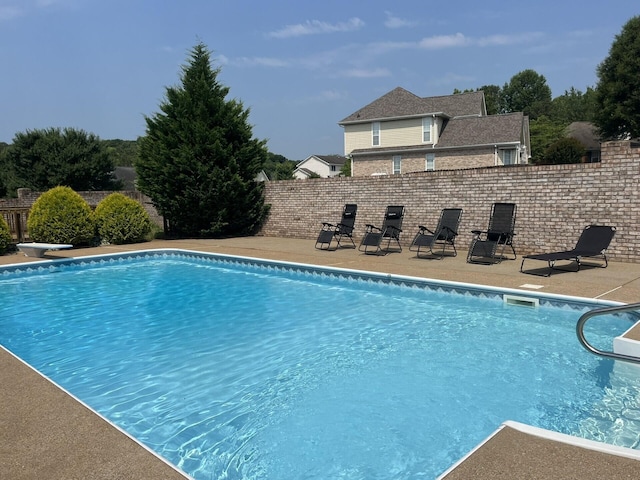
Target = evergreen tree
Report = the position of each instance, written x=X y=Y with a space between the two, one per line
x=198 y=160
x=618 y=89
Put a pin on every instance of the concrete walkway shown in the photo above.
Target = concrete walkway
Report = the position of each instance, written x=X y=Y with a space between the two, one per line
x=44 y=433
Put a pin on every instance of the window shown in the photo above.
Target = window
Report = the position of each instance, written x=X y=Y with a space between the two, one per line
x=430 y=163
x=375 y=133
x=508 y=157
x=426 y=129
x=333 y=168
x=397 y=161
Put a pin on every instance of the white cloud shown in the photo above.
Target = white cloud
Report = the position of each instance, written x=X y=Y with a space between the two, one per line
x=460 y=40
x=493 y=40
x=366 y=73
x=259 y=62
x=444 y=41
x=315 y=27
x=396 y=22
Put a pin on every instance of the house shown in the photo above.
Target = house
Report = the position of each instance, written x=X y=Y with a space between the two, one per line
x=401 y=133
x=587 y=134
x=262 y=176
x=322 y=165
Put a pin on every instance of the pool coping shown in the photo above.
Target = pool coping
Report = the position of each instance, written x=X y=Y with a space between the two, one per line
x=308 y=267
x=357 y=272
x=594 y=457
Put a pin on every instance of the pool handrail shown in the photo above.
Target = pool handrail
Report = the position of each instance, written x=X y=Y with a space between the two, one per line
x=604 y=311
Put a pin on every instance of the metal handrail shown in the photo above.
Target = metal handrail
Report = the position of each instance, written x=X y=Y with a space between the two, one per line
x=604 y=311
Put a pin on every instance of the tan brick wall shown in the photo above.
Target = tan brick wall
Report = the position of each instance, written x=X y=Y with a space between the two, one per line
x=555 y=202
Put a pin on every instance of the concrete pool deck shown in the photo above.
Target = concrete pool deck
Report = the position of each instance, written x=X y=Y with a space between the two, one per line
x=45 y=433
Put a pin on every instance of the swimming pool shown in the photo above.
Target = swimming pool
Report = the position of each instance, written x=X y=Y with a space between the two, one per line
x=237 y=368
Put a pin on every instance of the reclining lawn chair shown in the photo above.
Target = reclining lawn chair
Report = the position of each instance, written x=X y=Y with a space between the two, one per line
x=593 y=242
x=444 y=235
x=390 y=231
x=488 y=246
x=343 y=229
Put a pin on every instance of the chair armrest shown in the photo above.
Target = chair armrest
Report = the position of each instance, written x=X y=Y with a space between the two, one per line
x=370 y=227
x=327 y=224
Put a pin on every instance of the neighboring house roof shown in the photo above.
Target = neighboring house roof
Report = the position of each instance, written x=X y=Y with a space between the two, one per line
x=492 y=129
x=328 y=159
x=305 y=171
x=262 y=176
x=402 y=103
x=326 y=162
x=586 y=133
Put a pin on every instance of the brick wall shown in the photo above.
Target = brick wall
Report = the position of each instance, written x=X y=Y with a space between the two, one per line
x=555 y=202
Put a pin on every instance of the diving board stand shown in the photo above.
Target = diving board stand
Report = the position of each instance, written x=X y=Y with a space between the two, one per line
x=38 y=249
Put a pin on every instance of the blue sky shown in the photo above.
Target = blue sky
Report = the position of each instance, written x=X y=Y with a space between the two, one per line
x=300 y=67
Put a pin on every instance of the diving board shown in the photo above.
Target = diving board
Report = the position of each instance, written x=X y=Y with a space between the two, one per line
x=38 y=250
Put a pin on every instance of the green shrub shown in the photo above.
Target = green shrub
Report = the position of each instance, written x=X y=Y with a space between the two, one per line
x=120 y=219
x=60 y=215
x=5 y=236
x=564 y=150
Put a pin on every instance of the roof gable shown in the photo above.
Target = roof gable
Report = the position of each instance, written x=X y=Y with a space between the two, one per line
x=402 y=103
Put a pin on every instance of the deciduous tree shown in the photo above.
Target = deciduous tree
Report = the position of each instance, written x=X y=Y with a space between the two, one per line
x=527 y=92
x=618 y=88
x=43 y=159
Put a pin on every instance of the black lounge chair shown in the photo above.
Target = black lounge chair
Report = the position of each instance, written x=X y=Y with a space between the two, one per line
x=444 y=234
x=593 y=242
x=339 y=231
x=488 y=246
x=390 y=231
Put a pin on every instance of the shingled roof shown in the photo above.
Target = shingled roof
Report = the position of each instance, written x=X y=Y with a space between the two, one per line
x=402 y=103
x=492 y=129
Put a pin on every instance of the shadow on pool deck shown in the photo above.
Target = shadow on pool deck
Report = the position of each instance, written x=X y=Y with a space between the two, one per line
x=47 y=434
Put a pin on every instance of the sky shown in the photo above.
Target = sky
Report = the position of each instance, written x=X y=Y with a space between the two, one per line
x=299 y=67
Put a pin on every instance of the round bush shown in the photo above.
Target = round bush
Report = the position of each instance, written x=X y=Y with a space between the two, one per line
x=5 y=236
x=120 y=219
x=60 y=215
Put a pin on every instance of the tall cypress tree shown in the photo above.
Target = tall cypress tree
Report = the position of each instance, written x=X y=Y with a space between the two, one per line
x=198 y=159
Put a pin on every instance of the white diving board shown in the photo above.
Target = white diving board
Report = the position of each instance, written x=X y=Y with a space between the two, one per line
x=38 y=249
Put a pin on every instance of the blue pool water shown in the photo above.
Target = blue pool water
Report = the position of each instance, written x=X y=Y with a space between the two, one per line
x=235 y=370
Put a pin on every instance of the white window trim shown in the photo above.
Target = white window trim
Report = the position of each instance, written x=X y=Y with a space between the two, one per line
x=427 y=121
x=513 y=154
x=397 y=158
x=375 y=133
x=431 y=156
